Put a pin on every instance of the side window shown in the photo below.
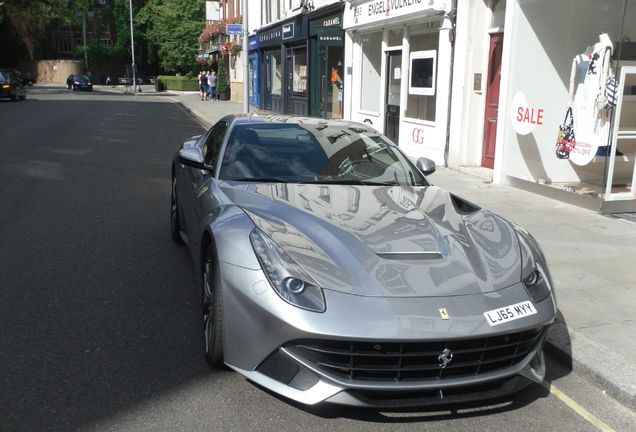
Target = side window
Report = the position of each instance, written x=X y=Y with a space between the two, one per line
x=213 y=143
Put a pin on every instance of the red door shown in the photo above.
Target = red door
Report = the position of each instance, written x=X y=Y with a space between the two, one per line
x=492 y=100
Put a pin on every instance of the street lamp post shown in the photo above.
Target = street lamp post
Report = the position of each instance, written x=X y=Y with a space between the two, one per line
x=84 y=15
x=132 y=49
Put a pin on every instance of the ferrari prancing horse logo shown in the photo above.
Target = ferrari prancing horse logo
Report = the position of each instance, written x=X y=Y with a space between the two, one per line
x=444 y=313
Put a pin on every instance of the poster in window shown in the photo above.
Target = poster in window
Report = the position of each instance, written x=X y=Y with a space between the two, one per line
x=423 y=71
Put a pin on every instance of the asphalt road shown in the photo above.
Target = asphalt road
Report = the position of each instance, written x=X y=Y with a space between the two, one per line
x=99 y=313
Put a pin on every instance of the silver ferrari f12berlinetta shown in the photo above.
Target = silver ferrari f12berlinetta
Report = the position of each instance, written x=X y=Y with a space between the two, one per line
x=331 y=270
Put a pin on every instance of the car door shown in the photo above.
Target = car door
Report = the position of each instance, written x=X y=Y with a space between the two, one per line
x=198 y=183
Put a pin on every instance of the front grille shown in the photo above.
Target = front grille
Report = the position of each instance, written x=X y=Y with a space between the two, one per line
x=416 y=361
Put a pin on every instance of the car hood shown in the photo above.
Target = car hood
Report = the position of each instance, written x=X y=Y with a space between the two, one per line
x=388 y=241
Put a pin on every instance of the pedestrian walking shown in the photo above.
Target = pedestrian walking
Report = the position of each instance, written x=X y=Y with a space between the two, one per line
x=203 y=85
x=212 y=83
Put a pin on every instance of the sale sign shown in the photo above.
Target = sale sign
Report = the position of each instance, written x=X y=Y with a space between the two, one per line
x=525 y=117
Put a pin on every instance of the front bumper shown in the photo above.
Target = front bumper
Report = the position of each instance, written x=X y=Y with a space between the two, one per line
x=259 y=328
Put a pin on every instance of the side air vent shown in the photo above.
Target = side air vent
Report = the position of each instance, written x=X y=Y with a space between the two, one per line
x=462 y=206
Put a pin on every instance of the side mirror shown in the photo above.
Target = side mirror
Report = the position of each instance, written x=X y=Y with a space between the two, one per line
x=425 y=165
x=193 y=157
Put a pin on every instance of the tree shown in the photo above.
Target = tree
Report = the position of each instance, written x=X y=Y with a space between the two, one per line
x=25 y=21
x=222 y=84
x=173 y=26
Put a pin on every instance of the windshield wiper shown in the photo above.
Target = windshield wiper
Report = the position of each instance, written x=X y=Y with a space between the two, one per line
x=261 y=179
x=356 y=182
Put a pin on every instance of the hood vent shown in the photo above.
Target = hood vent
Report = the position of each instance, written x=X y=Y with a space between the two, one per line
x=407 y=256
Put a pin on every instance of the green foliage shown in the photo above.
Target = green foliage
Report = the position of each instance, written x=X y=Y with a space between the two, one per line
x=28 y=20
x=173 y=26
x=222 y=83
x=182 y=83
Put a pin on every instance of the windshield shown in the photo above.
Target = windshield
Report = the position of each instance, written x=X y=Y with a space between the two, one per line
x=80 y=78
x=315 y=153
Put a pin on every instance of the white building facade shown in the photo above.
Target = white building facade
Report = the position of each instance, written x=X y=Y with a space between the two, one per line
x=398 y=67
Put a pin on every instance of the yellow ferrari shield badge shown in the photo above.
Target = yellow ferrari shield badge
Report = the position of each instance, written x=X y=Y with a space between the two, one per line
x=444 y=313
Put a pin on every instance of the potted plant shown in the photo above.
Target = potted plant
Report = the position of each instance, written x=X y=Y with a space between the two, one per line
x=222 y=84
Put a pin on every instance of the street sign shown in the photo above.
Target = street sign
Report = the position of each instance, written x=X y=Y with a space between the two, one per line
x=234 y=29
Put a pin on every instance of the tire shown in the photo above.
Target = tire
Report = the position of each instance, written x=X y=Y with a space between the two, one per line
x=175 y=224
x=212 y=310
x=22 y=97
x=68 y=86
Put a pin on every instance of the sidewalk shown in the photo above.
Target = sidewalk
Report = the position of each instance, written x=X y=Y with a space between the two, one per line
x=592 y=259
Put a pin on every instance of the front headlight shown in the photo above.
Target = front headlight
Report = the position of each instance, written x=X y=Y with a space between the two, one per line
x=534 y=270
x=290 y=281
x=76 y=82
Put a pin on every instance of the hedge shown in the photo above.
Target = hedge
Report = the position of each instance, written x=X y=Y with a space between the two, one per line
x=171 y=82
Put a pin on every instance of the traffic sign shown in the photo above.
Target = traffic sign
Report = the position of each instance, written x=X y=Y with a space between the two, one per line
x=234 y=29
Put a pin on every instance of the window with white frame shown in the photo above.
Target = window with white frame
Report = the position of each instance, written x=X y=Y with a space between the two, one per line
x=422 y=98
x=370 y=74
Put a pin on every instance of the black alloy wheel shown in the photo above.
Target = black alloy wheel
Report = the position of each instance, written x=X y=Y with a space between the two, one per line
x=212 y=311
x=175 y=224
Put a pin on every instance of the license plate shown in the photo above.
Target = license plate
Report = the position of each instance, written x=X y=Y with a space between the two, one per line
x=509 y=313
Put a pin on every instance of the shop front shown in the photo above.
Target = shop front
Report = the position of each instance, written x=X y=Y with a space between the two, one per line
x=254 y=96
x=397 y=65
x=283 y=50
x=326 y=47
x=567 y=117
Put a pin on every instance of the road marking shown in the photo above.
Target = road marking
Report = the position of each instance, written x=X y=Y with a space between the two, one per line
x=578 y=408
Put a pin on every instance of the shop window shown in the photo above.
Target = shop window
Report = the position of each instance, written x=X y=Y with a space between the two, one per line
x=275 y=73
x=422 y=76
x=300 y=71
x=370 y=75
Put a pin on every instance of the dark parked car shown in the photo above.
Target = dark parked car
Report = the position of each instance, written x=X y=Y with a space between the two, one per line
x=331 y=270
x=79 y=82
x=26 y=78
x=11 y=86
